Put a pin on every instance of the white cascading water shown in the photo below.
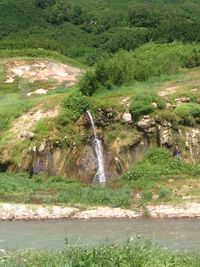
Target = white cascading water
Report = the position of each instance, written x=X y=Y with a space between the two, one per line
x=100 y=175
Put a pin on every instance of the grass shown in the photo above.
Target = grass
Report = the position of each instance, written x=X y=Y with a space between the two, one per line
x=87 y=41
x=134 y=253
x=39 y=53
x=58 y=190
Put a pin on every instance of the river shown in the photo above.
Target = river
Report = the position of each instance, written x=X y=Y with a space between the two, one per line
x=171 y=233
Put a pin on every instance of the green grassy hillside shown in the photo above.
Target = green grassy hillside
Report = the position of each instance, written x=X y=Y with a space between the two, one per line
x=88 y=30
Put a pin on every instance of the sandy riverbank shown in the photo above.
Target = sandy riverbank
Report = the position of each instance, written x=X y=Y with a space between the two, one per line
x=41 y=212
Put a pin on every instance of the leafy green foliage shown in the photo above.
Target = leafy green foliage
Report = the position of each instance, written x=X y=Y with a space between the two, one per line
x=88 y=84
x=165 y=193
x=157 y=163
x=134 y=253
x=62 y=190
x=96 y=196
x=188 y=109
x=144 y=63
x=88 y=29
x=142 y=104
x=74 y=105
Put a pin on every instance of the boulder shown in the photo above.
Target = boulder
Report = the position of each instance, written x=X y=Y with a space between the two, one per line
x=154 y=105
x=27 y=135
x=168 y=106
x=166 y=136
x=183 y=99
x=40 y=91
x=146 y=123
x=127 y=117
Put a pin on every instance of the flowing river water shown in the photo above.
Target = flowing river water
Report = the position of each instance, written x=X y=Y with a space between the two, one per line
x=171 y=233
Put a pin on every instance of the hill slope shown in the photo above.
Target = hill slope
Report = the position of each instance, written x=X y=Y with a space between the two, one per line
x=89 y=29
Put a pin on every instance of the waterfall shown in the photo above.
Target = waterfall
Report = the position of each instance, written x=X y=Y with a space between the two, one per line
x=98 y=149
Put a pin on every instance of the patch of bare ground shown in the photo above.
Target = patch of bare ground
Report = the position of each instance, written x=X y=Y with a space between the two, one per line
x=10 y=211
x=187 y=210
x=40 y=212
x=169 y=91
x=192 y=81
x=23 y=126
x=42 y=70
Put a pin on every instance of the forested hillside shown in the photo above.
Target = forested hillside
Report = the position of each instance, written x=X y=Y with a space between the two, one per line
x=91 y=29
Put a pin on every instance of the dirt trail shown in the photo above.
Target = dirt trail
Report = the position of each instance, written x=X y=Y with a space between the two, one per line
x=169 y=91
x=192 y=80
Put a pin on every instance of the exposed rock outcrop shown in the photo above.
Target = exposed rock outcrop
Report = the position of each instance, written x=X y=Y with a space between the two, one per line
x=129 y=144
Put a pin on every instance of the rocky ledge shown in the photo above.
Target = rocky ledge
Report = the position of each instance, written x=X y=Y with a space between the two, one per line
x=43 y=212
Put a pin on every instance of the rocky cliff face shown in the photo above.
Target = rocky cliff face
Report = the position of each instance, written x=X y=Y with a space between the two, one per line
x=128 y=144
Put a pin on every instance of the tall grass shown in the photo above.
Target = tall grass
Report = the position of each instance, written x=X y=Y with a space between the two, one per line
x=61 y=191
x=137 y=253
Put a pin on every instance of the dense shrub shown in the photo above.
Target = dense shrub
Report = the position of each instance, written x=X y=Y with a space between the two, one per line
x=73 y=106
x=148 y=15
x=125 y=38
x=158 y=162
x=44 y=3
x=146 y=62
x=89 y=83
x=81 y=29
x=165 y=193
x=76 y=102
x=188 y=109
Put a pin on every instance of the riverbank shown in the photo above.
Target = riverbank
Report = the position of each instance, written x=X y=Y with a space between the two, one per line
x=10 y=211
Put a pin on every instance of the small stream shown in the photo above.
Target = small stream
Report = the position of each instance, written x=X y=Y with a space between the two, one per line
x=173 y=233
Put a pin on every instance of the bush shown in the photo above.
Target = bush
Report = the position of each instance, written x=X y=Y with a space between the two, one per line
x=88 y=84
x=188 y=109
x=141 y=106
x=158 y=162
x=165 y=193
x=75 y=104
x=146 y=196
x=148 y=61
x=158 y=155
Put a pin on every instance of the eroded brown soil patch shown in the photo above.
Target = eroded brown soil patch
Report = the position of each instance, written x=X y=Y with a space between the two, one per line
x=42 y=70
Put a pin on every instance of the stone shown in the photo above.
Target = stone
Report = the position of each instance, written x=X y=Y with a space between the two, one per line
x=42 y=146
x=168 y=106
x=27 y=135
x=166 y=137
x=108 y=110
x=194 y=90
x=166 y=124
x=10 y=80
x=40 y=91
x=183 y=99
x=146 y=123
x=154 y=105
x=127 y=117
